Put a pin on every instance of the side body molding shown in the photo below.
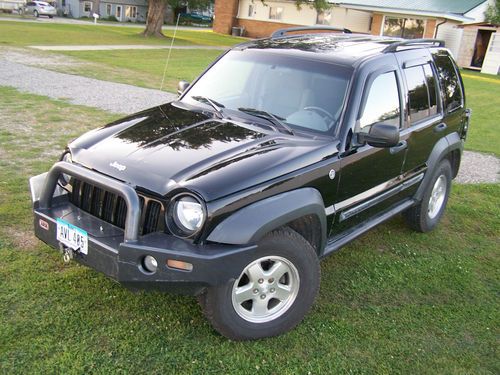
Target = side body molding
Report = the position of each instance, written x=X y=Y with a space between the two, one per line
x=441 y=149
x=249 y=224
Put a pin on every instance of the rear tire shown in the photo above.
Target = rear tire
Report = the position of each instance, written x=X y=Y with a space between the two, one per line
x=35 y=13
x=426 y=215
x=273 y=293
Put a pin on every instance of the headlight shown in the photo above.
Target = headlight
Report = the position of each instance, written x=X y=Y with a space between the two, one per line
x=185 y=215
x=64 y=178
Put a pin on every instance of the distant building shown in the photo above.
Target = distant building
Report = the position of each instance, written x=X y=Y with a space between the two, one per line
x=122 y=10
x=403 y=18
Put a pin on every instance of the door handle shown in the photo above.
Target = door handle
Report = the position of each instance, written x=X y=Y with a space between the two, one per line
x=440 y=127
x=402 y=145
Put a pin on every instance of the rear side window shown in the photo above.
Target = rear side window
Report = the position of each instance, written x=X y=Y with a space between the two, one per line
x=449 y=82
x=421 y=92
x=382 y=103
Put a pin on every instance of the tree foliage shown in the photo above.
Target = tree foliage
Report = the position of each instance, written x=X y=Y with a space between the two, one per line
x=492 y=13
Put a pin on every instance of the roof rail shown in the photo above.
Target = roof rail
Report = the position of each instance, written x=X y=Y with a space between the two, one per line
x=282 y=32
x=416 y=43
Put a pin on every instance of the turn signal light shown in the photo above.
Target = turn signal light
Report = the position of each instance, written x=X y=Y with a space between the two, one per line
x=179 y=265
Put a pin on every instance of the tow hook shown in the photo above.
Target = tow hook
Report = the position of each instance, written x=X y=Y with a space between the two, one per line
x=67 y=253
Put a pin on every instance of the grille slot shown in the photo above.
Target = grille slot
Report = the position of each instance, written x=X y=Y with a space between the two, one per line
x=112 y=208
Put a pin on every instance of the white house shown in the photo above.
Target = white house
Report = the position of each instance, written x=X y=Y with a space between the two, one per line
x=404 y=18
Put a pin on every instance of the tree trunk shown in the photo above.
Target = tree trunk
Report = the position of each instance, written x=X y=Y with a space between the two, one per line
x=156 y=16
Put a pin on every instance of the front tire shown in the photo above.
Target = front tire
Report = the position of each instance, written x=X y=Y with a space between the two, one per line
x=273 y=292
x=35 y=13
x=426 y=215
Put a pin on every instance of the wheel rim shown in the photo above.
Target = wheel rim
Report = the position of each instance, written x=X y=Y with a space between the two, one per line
x=266 y=289
x=436 y=199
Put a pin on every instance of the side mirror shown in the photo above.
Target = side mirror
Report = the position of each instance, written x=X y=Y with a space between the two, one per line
x=380 y=135
x=182 y=86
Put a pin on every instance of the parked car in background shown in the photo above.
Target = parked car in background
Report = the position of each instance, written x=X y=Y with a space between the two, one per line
x=40 y=8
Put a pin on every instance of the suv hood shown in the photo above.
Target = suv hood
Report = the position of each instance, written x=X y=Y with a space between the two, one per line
x=170 y=147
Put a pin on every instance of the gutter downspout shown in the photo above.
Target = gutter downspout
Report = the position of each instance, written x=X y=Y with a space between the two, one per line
x=437 y=27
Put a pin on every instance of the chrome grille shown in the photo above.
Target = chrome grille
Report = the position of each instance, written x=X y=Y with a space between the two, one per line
x=112 y=208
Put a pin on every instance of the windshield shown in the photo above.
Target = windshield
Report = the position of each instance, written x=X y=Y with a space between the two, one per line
x=304 y=94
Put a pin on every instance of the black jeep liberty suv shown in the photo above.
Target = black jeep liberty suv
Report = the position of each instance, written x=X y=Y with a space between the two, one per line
x=284 y=150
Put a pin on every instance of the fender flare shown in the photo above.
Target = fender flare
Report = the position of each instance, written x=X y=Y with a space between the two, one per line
x=249 y=224
x=441 y=149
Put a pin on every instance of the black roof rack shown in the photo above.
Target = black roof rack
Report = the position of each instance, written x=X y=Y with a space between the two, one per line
x=282 y=32
x=416 y=43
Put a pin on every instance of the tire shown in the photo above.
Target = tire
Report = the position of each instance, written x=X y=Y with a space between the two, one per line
x=426 y=215
x=285 y=266
x=35 y=13
x=51 y=16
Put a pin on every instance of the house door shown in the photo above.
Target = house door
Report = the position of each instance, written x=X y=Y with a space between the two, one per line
x=480 y=47
x=118 y=13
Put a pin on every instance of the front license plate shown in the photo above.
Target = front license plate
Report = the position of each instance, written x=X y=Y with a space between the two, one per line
x=72 y=237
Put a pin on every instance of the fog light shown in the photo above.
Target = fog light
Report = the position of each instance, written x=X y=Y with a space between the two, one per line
x=177 y=264
x=149 y=263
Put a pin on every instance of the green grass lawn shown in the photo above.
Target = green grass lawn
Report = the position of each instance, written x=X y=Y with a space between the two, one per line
x=143 y=67
x=27 y=34
x=483 y=97
x=393 y=301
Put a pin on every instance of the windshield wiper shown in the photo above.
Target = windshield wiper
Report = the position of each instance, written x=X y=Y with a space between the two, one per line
x=275 y=120
x=216 y=106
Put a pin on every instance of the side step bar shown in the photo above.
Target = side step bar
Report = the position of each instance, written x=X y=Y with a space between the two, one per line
x=337 y=243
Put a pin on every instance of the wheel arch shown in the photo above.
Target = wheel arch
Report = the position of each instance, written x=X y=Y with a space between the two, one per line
x=449 y=147
x=302 y=210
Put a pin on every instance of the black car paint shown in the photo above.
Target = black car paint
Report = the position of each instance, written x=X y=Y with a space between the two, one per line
x=235 y=163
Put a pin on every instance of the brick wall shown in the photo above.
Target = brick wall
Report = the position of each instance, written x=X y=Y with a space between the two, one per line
x=225 y=15
x=260 y=29
x=377 y=20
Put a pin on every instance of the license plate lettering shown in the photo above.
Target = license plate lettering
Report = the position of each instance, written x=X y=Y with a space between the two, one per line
x=72 y=237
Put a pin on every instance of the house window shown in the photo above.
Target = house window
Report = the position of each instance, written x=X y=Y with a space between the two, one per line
x=108 y=10
x=404 y=27
x=251 y=10
x=118 y=12
x=275 y=13
x=131 y=11
x=87 y=6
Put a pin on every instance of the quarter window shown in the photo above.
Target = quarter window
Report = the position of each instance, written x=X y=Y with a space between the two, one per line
x=382 y=102
x=450 y=85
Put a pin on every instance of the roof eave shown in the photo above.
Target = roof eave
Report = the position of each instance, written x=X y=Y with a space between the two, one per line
x=449 y=16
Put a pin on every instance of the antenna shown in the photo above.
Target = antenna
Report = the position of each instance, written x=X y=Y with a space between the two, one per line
x=170 y=51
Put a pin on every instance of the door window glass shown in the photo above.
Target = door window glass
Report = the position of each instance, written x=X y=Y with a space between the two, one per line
x=432 y=87
x=382 y=102
x=417 y=93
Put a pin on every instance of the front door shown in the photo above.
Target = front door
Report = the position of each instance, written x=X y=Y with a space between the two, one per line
x=369 y=173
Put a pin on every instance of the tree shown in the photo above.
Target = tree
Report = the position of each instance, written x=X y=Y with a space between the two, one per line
x=319 y=5
x=156 y=13
x=492 y=14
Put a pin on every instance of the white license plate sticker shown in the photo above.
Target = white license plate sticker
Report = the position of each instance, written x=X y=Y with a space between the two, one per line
x=72 y=237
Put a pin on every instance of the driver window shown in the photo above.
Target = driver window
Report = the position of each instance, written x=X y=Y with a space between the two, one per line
x=382 y=103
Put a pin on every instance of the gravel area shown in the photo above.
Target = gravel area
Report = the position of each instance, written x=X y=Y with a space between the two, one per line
x=109 y=96
x=476 y=167
x=120 y=98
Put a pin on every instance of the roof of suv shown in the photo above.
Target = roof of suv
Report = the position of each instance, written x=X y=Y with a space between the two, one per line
x=347 y=49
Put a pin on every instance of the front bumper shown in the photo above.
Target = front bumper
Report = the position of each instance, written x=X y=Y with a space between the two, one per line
x=119 y=253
